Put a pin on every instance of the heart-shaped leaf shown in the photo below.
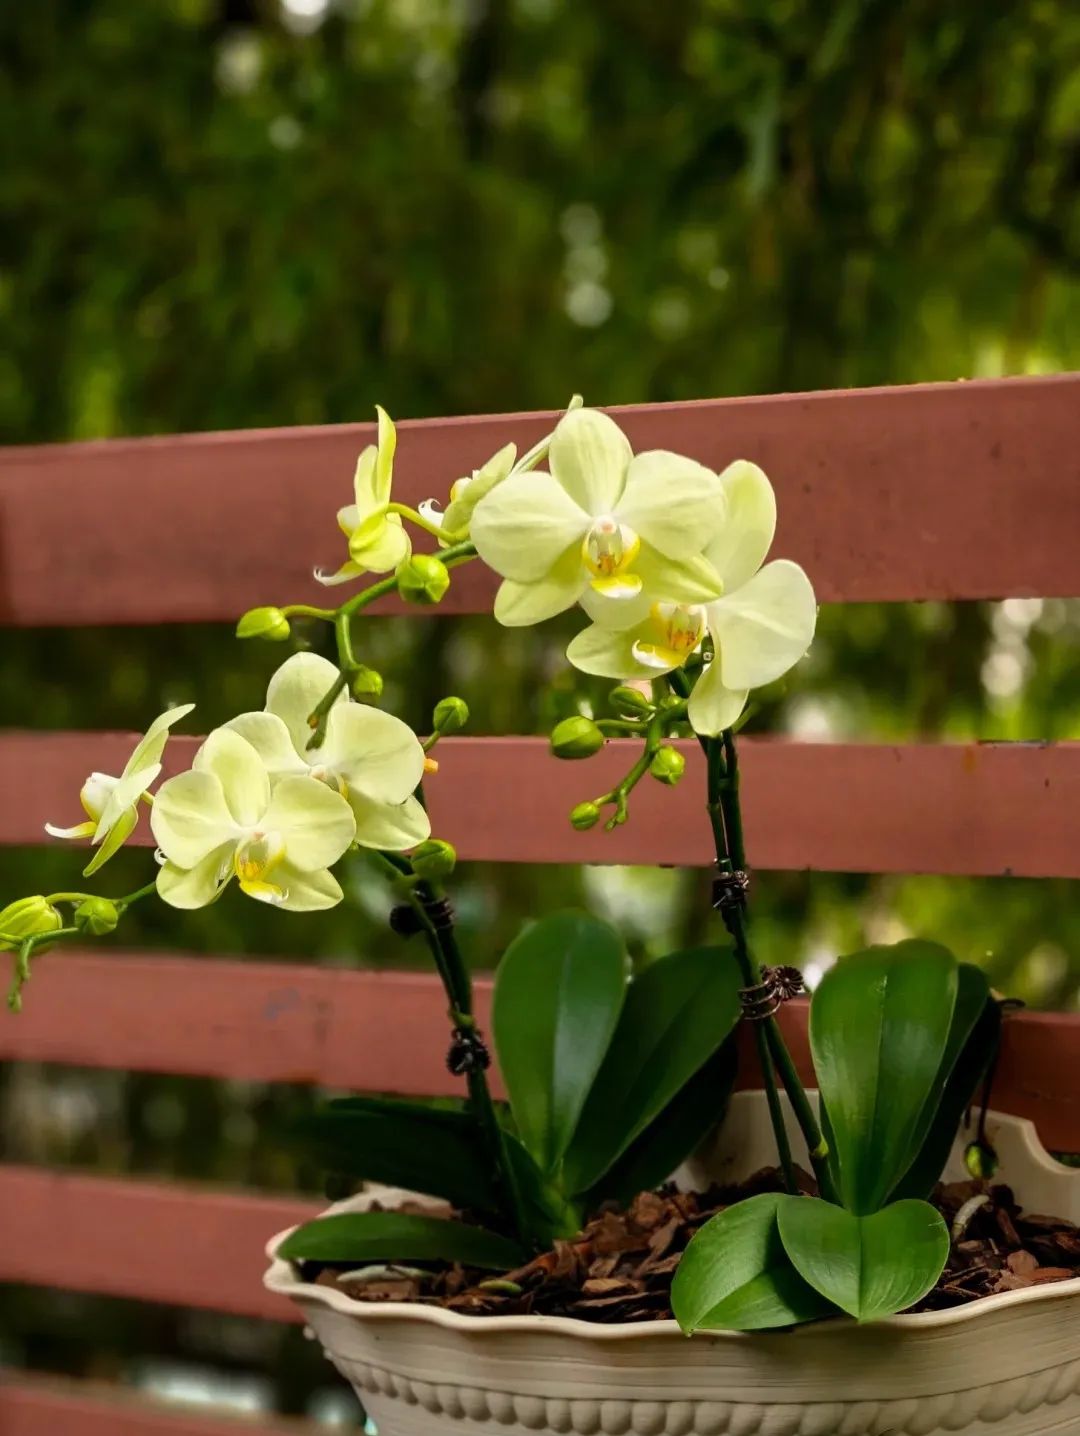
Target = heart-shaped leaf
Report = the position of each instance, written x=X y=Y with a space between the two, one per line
x=559 y=990
x=973 y=1041
x=398 y=1237
x=736 y=1276
x=672 y=1136
x=869 y=1266
x=879 y=1028
x=676 y=1014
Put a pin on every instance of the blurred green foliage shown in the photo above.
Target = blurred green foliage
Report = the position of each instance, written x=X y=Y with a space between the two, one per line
x=230 y=213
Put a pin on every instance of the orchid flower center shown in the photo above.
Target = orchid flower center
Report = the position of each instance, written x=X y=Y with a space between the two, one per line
x=608 y=552
x=332 y=779
x=96 y=792
x=458 y=487
x=676 y=630
x=255 y=858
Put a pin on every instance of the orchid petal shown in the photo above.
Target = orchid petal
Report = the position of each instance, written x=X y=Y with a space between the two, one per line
x=391 y=828
x=609 y=653
x=589 y=455
x=240 y=771
x=190 y=818
x=712 y=707
x=270 y=738
x=80 y=830
x=114 y=840
x=525 y=525
x=520 y=604
x=365 y=485
x=151 y=745
x=315 y=822
x=739 y=549
x=305 y=891
x=296 y=690
x=374 y=752
x=347 y=573
x=386 y=546
x=125 y=792
x=197 y=886
x=689 y=580
x=673 y=503
x=765 y=627
x=384 y=460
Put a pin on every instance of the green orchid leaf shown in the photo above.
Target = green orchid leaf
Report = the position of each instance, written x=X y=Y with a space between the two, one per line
x=869 y=1266
x=559 y=990
x=736 y=1276
x=403 y=1144
x=437 y=1150
x=672 y=1137
x=676 y=1015
x=940 y=1127
x=879 y=1028
x=398 y=1237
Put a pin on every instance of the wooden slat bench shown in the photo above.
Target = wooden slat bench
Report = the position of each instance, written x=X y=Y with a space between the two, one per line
x=964 y=491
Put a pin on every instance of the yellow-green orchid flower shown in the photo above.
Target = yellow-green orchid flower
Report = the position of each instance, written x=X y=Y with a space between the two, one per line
x=371 y=758
x=601 y=524
x=466 y=493
x=225 y=819
x=112 y=804
x=761 y=625
x=377 y=539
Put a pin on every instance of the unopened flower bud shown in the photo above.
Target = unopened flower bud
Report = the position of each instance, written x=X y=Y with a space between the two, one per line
x=423 y=579
x=97 y=916
x=366 y=683
x=630 y=702
x=433 y=859
x=268 y=623
x=981 y=1161
x=577 y=737
x=667 y=766
x=584 y=816
x=26 y=917
x=450 y=716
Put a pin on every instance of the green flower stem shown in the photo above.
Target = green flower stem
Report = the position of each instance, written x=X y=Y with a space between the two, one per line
x=137 y=896
x=454 y=975
x=305 y=610
x=414 y=517
x=619 y=725
x=619 y=796
x=68 y=897
x=321 y=711
x=725 y=818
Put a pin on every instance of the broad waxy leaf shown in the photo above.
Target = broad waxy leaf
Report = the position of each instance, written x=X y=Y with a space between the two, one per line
x=736 y=1276
x=559 y=990
x=398 y=1237
x=973 y=1041
x=879 y=1028
x=672 y=1137
x=676 y=1014
x=404 y=1144
x=423 y=1148
x=869 y=1266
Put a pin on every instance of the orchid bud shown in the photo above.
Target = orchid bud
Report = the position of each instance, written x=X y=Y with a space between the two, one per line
x=667 y=766
x=630 y=702
x=576 y=737
x=450 y=716
x=366 y=683
x=26 y=917
x=268 y=623
x=97 y=916
x=584 y=816
x=423 y=579
x=433 y=859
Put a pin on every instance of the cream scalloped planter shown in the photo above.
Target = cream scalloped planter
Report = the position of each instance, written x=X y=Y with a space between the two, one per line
x=1008 y=1365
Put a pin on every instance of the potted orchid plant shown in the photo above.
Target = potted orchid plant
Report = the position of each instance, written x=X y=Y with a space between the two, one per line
x=577 y=1211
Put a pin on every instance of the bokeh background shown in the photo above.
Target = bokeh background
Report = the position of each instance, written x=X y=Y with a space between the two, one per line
x=234 y=213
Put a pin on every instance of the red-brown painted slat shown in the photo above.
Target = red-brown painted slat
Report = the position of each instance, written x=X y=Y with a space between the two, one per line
x=384 y=1032
x=260 y=1022
x=964 y=490
x=976 y=809
x=152 y=1241
x=44 y=1406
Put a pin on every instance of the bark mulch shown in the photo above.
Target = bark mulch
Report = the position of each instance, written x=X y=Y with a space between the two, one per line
x=621 y=1267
